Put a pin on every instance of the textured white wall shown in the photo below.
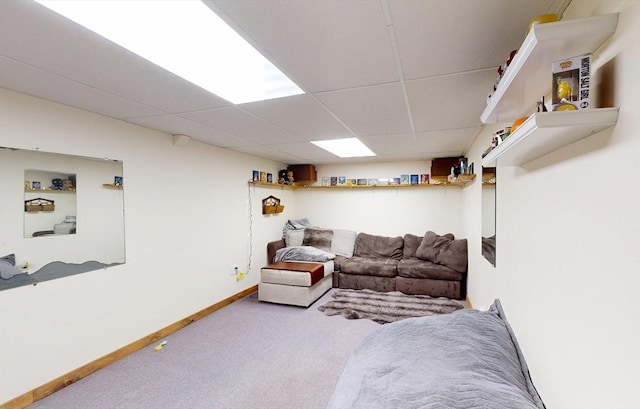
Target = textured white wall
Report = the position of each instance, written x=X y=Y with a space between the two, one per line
x=568 y=243
x=187 y=222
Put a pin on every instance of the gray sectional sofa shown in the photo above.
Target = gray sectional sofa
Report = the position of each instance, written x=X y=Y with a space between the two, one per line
x=430 y=265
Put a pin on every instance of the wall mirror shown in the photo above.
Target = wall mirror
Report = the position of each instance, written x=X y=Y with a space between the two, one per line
x=489 y=178
x=59 y=215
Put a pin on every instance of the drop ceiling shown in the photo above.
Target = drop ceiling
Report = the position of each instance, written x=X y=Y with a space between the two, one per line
x=408 y=78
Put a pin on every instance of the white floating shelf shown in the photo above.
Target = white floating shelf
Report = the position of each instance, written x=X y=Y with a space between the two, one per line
x=529 y=76
x=545 y=132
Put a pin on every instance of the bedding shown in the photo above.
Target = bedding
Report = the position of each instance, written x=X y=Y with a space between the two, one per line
x=466 y=359
x=303 y=253
x=51 y=271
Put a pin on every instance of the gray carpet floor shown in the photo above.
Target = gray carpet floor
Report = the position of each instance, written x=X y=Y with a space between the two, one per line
x=247 y=355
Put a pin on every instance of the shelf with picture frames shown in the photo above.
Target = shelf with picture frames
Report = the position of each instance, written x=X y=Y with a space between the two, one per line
x=462 y=180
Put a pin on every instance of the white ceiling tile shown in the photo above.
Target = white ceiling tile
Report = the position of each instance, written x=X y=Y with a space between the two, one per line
x=29 y=80
x=237 y=122
x=301 y=115
x=321 y=45
x=392 y=146
x=433 y=40
x=175 y=125
x=372 y=110
x=453 y=101
x=446 y=141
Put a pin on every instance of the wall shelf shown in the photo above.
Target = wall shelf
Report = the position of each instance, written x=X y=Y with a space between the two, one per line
x=528 y=77
x=545 y=132
x=462 y=181
x=270 y=185
x=112 y=186
x=47 y=191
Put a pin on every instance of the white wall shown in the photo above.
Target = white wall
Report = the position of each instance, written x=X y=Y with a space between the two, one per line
x=382 y=211
x=568 y=243
x=187 y=221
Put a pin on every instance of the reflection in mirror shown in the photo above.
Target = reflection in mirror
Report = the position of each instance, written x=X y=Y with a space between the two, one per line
x=73 y=205
x=49 y=203
x=489 y=214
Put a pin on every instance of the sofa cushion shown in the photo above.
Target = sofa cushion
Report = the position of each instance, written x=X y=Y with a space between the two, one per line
x=371 y=246
x=444 y=250
x=319 y=238
x=343 y=242
x=416 y=268
x=370 y=266
x=294 y=237
x=411 y=244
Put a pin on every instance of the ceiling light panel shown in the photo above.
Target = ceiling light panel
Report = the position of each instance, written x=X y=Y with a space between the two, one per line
x=345 y=148
x=186 y=38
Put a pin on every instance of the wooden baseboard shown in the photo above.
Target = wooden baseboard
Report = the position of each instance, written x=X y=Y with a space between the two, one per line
x=55 y=385
x=469 y=302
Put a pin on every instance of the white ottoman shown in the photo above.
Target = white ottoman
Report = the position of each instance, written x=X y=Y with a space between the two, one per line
x=295 y=283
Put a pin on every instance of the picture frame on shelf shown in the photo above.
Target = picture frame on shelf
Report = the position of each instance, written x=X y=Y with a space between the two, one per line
x=256 y=176
x=405 y=179
x=415 y=179
x=342 y=181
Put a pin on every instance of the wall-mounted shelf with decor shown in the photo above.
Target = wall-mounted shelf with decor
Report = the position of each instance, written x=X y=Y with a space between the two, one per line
x=112 y=186
x=271 y=185
x=545 y=132
x=437 y=181
x=529 y=75
x=47 y=191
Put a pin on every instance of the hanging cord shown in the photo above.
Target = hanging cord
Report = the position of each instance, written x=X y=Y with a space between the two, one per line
x=250 y=233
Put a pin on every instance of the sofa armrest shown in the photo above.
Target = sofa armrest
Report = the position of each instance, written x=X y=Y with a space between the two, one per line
x=272 y=247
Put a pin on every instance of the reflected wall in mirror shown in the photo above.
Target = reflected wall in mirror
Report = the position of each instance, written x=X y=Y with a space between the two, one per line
x=78 y=228
x=49 y=203
x=489 y=178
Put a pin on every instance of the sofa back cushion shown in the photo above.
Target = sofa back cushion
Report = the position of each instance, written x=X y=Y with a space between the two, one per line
x=368 y=245
x=318 y=238
x=444 y=250
x=411 y=244
x=342 y=242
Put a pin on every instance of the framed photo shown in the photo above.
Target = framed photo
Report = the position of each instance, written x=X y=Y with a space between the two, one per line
x=415 y=179
x=342 y=181
x=424 y=179
x=263 y=177
x=394 y=181
x=117 y=180
x=269 y=178
x=35 y=185
x=362 y=182
x=352 y=182
x=334 y=181
x=404 y=179
x=256 y=176
x=383 y=181
x=326 y=181
x=372 y=182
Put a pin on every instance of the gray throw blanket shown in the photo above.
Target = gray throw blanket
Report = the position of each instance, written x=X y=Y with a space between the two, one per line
x=466 y=359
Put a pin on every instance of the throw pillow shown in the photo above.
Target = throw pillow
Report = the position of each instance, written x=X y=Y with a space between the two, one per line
x=431 y=245
x=444 y=250
x=7 y=267
x=319 y=238
x=343 y=242
x=294 y=238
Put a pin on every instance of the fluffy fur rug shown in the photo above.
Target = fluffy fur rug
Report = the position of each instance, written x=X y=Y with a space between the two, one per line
x=386 y=307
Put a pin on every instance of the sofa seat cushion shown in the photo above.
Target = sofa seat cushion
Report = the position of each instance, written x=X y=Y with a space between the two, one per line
x=371 y=246
x=337 y=262
x=369 y=266
x=416 y=268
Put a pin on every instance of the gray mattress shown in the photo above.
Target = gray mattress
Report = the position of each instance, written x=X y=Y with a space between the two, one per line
x=466 y=359
x=51 y=271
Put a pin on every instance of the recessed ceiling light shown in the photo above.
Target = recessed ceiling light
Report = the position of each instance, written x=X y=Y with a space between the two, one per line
x=186 y=38
x=345 y=148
